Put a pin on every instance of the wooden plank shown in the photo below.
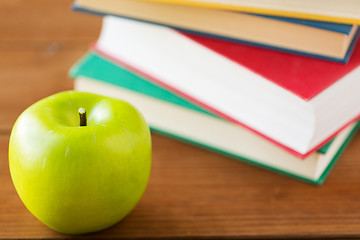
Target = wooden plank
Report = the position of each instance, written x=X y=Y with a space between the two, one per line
x=28 y=75
x=195 y=193
x=45 y=20
x=39 y=41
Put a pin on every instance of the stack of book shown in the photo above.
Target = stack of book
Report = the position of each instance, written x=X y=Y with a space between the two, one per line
x=275 y=91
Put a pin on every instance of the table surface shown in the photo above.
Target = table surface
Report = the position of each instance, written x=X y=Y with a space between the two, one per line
x=192 y=193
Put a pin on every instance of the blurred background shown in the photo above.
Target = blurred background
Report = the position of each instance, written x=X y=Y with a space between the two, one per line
x=39 y=41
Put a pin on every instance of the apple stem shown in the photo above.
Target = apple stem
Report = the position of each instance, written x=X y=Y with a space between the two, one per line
x=82 y=114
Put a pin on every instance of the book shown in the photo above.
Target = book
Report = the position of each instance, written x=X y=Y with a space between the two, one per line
x=296 y=102
x=330 y=41
x=341 y=11
x=174 y=116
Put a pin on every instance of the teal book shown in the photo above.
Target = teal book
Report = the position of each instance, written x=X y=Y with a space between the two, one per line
x=169 y=114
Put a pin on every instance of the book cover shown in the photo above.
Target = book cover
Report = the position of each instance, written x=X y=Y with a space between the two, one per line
x=96 y=67
x=258 y=30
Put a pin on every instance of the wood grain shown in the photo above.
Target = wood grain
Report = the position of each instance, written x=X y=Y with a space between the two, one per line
x=192 y=193
x=39 y=42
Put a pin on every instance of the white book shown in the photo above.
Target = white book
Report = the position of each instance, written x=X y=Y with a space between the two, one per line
x=231 y=90
x=220 y=135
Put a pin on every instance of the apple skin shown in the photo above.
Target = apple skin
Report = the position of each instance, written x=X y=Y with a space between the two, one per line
x=80 y=179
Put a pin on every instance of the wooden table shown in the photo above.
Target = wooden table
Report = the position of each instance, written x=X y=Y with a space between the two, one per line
x=192 y=193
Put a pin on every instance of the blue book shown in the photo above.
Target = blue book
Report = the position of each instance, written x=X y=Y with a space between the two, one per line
x=329 y=41
x=331 y=26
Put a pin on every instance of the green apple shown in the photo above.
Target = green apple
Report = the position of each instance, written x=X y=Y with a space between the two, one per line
x=80 y=179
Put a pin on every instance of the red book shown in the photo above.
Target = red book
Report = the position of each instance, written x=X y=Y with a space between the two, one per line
x=306 y=77
x=296 y=102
